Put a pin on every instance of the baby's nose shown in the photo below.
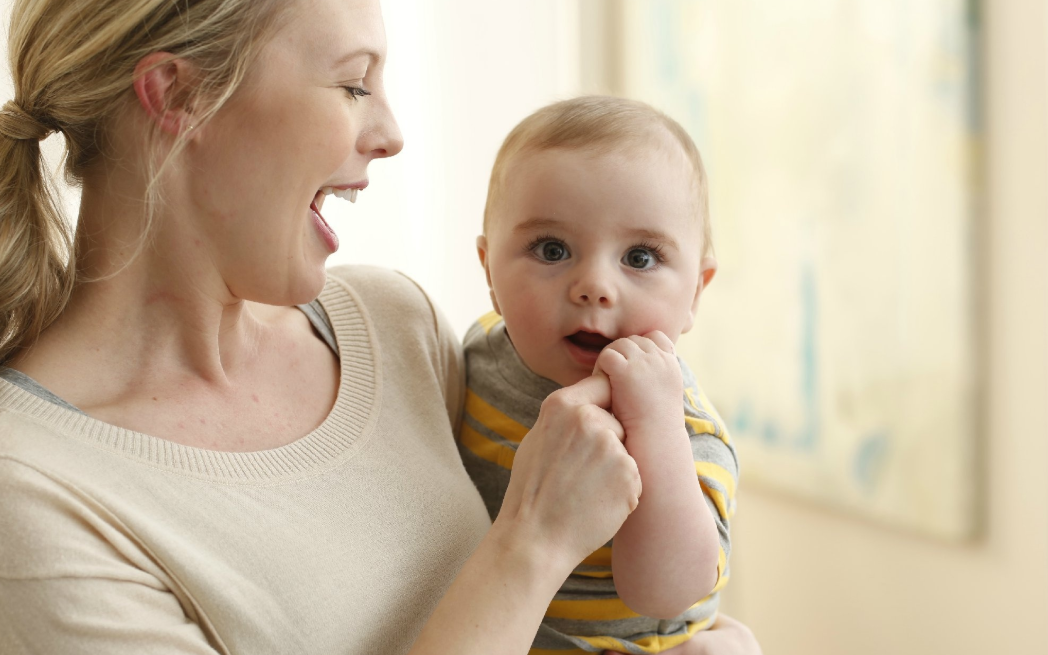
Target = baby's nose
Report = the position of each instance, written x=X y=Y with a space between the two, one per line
x=593 y=291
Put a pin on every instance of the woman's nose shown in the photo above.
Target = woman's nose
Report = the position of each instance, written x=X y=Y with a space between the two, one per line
x=383 y=138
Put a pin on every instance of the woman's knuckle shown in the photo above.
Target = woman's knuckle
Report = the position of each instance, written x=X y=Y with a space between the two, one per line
x=558 y=400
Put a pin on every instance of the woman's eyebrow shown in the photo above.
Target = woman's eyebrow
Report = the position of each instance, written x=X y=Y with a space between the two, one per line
x=356 y=54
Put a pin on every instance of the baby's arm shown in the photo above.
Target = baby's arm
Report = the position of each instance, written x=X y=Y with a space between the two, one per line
x=665 y=555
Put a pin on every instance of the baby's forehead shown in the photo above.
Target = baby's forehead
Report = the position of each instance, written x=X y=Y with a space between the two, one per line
x=650 y=173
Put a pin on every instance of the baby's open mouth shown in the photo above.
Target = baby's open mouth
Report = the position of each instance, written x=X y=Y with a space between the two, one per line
x=589 y=340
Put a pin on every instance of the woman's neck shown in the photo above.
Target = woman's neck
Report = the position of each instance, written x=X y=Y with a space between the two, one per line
x=144 y=315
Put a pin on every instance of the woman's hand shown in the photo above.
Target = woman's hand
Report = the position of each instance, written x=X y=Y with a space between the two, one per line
x=726 y=637
x=573 y=483
x=572 y=486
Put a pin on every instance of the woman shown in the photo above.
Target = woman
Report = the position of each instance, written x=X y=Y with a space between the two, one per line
x=196 y=458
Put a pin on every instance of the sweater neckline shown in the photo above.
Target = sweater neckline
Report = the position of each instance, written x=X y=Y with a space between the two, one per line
x=345 y=427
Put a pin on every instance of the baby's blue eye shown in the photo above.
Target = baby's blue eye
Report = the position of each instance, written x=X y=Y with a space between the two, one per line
x=550 y=251
x=640 y=258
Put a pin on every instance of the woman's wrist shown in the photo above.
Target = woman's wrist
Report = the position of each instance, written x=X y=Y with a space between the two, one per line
x=524 y=547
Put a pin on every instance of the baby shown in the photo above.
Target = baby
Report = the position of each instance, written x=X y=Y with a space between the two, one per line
x=597 y=248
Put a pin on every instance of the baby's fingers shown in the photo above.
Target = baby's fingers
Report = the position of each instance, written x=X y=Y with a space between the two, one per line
x=661 y=340
x=610 y=361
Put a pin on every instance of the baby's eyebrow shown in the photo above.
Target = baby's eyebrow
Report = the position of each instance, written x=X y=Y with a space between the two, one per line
x=538 y=223
x=654 y=235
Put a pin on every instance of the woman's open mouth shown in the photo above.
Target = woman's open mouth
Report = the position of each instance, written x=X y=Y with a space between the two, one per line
x=325 y=231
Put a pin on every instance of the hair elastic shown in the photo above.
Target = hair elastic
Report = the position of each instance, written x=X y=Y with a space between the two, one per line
x=17 y=123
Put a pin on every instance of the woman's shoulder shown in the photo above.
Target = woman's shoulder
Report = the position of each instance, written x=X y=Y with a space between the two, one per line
x=375 y=285
x=390 y=299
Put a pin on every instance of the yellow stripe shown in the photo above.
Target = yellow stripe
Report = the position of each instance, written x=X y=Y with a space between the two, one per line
x=691 y=398
x=601 y=574
x=718 y=474
x=599 y=557
x=604 y=609
x=652 y=644
x=493 y=419
x=488 y=321
x=704 y=405
x=701 y=426
x=725 y=506
x=485 y=448
x=718 y=499
x=721 y=583
x=722 y=563
x=708 y=407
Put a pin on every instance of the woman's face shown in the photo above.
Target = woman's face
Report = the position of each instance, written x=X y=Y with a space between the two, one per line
x=300 y=122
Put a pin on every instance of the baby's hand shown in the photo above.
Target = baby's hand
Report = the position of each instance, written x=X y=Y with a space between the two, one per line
x=646 y=382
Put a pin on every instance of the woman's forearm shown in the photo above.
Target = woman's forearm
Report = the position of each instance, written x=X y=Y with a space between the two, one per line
x=665 y=554
x=497 y=601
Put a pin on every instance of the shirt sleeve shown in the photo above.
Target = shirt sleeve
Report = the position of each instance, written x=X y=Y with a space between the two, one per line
x=450 y=366
x=716 y=465
x=67 y=585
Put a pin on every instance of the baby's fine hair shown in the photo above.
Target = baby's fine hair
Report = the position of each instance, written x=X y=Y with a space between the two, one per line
x=599 y=124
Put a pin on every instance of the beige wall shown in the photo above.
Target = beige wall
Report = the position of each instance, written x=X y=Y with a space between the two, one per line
x=813 y=582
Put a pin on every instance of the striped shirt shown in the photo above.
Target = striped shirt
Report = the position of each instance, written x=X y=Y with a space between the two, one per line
x=503 y=399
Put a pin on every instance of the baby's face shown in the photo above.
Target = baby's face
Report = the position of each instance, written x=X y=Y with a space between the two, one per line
x=586 y=248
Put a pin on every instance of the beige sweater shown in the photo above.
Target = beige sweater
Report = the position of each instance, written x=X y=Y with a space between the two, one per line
x=113 y=541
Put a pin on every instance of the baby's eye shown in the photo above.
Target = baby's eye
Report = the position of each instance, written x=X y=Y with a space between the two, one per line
x=550 y=251
x=640 y=258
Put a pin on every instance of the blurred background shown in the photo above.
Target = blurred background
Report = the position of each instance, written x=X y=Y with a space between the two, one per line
x=877 y=336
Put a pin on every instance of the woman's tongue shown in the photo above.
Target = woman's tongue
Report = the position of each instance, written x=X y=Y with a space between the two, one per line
x=589 y=340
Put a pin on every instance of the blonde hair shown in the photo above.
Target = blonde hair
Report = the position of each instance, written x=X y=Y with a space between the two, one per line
x=600 y=124
x=73 y=64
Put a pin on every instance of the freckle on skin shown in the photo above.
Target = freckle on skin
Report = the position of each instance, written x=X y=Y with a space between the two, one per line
x=154 y=397
x=203 y=422
x=254 y=397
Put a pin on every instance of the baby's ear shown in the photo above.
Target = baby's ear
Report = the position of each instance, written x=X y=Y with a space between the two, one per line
x=482 y=253
x=707 y=269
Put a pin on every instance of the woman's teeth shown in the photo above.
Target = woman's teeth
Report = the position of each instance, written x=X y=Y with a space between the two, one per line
x=345 y=194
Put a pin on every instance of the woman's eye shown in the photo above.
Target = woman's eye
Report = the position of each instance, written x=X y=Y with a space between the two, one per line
x=356 y=91
x=550 y=251
x=640 y=258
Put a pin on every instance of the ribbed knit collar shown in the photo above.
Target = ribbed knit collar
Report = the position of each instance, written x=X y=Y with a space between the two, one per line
x=349 y=421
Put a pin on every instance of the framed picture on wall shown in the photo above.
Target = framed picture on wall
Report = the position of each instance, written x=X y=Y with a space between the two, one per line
x=842 y=144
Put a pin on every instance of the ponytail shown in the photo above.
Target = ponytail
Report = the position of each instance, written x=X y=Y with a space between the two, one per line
x=36 y=255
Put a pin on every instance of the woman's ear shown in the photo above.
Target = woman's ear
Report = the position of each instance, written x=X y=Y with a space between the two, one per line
x=482 y=253
x=163 y=85
x=707 y=269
